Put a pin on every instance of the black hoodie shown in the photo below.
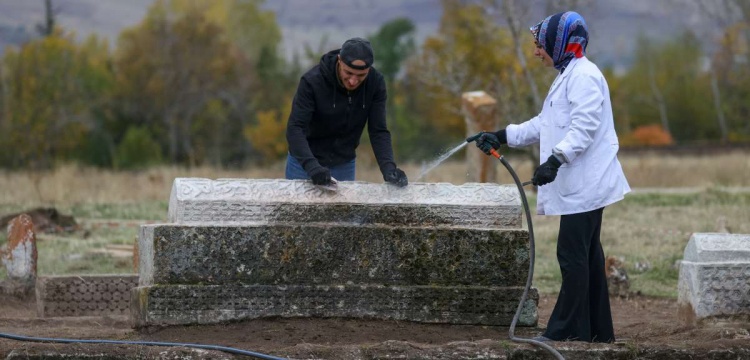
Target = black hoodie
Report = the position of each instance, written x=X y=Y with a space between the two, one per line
x=327 y=120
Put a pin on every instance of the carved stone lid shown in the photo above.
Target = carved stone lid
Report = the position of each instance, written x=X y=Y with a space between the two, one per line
x=718 y=247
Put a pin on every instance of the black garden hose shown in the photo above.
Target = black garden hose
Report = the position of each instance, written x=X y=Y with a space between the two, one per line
x=526 y=209
x=146 y=343
x=512 y=335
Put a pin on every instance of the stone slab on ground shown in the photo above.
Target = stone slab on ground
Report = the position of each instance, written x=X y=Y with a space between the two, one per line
x=714 y=280
x=201 y=304
x=84 y=295
x=331 y=254
x=247 y=201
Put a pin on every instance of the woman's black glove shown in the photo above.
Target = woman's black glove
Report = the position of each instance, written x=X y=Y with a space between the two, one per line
x=321 y=176
x=547 y=172
x=488 y=141
x=396 y=177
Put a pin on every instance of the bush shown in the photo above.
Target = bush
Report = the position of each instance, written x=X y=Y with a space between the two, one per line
x=137 y=149
x=651 y=135
x=95 y=150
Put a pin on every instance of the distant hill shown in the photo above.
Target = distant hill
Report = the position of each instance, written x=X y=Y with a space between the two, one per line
x=614 y=24
x=107 y=18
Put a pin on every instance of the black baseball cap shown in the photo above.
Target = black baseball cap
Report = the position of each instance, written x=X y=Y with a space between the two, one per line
x=357 y=49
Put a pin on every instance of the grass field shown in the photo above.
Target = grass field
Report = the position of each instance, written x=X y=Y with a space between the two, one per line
x=674 y=197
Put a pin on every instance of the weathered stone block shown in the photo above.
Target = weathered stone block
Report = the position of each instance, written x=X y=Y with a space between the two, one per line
x=203 y=304
x=714 y=282
x=84 y=295
x=19 y=257
x=324 y=254
x=246 y=201
x=241 y=248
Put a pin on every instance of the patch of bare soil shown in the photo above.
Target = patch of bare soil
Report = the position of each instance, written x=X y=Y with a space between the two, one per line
x=639 y=321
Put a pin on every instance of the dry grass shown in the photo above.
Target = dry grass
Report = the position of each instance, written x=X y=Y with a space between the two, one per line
x=643 y=171
x=729 y=170
x=71 y=184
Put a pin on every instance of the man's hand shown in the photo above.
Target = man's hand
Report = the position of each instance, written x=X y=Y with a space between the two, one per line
x=547 y=172
x=488 y=141
x=321 y=176
x=396 y=177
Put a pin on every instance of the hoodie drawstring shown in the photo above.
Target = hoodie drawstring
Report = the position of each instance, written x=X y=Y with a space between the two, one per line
x=364 y=90
x=364 y=94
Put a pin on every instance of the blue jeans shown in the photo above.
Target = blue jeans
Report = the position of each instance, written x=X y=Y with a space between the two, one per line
x=342 y=172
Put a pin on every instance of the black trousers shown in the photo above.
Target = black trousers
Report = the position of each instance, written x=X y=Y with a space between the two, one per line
x=582 y=310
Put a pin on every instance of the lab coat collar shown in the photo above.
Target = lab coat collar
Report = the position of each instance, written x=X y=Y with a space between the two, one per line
x=561 y=77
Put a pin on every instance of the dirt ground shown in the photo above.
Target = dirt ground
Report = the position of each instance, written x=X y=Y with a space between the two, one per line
x=639 y=321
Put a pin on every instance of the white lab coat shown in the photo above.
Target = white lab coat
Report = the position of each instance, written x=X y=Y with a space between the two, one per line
x=576 y=122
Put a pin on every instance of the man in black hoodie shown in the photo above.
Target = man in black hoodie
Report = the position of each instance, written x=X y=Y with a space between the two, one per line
x=334 y=101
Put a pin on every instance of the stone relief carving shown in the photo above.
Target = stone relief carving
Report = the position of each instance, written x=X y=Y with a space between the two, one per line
x=228 y=201
x=277 y=190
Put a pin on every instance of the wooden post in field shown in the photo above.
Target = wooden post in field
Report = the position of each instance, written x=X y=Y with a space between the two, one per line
x=479 y=113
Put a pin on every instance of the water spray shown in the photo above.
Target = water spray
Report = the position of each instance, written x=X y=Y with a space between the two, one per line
x=439 y=160
x=520 y=186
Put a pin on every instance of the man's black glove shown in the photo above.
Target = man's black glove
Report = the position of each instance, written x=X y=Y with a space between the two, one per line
x=489 y=140
x=546 y=172
x=321 y=176
x=396 y=177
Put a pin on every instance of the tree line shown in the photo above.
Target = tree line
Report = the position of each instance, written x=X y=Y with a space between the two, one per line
x=203 y=83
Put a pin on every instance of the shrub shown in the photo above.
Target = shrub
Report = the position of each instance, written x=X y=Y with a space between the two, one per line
x=653 y=135
x=137 y=149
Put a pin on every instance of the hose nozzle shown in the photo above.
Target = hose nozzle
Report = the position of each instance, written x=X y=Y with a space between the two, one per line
x=474 y=137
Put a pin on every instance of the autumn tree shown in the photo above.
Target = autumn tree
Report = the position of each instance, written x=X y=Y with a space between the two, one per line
x=269 y=134
x=265 y=81
x=726 y=23
x=51 y=87
x=169 y=69
x=255 y=34
x=732 y=76
x=674 y=94
x=471 y=51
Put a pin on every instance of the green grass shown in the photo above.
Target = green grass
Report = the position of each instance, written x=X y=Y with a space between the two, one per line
x=100 y=225
x=75 y=254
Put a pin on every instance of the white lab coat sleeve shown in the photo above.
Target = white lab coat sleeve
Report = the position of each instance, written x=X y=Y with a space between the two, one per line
x=523 y=134
x=586 y=99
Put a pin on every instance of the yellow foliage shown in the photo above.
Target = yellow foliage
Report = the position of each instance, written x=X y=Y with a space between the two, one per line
x=470 y=52
x=55 y=82
x=269 y=135
x=247 y=25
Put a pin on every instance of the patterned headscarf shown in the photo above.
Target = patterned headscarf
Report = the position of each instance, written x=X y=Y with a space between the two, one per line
x=563 y=36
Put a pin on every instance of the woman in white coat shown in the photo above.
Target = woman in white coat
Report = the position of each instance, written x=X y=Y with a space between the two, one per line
x=580 y=174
